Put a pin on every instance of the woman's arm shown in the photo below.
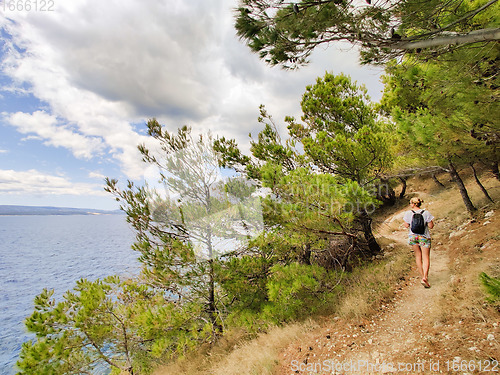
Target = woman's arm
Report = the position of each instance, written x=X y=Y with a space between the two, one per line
x=430 y=224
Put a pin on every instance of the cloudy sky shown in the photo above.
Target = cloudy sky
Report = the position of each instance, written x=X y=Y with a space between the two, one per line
x=79 y=81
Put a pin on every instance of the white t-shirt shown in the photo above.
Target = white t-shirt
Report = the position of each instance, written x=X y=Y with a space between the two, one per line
x=427 y=218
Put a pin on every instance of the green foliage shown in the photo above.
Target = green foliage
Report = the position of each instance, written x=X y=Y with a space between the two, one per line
x=312 y=210
x=184 y=230
x=295 y=289
x=492 y=287
x=341 y=133
x=315 y=202
x=322 y=190
x=244 y=280
x=446 y=114
x=239 y=189
x=285 y=33
x=268 y=149
x=317 y=195
x=108 y=323
x=447 y=109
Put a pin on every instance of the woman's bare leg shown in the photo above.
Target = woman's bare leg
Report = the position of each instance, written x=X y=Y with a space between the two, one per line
x=418 y=259
x=426 y=262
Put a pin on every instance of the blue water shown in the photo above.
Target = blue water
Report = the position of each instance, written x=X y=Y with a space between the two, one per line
x=53 y=252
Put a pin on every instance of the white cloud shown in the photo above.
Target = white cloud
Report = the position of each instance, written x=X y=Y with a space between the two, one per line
x=97 y=175
x=46 y=127
x=38 y=183
x=31 y=138
x=85 y=122
x=101 y=66
x=3 y=151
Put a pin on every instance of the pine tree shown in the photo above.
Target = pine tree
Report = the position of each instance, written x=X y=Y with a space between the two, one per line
x=183 y=230
x=121 y=325
x=286 y=33
x=445 y=113
x=342 y=136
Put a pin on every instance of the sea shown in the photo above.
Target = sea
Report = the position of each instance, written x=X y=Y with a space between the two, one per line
x=53 y=252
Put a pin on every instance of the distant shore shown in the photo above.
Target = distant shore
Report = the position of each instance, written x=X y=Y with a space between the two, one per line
x=14 y=210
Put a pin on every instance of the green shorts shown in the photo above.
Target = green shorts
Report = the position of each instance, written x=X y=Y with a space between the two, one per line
x=421 y=241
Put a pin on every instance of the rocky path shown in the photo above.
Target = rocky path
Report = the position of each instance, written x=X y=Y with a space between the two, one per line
x=391 y=342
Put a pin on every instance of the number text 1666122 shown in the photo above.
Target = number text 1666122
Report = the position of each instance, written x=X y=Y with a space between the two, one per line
x=27 y=5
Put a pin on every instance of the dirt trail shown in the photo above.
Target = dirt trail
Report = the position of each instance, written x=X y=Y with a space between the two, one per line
x=394 y=335
x=391 y=342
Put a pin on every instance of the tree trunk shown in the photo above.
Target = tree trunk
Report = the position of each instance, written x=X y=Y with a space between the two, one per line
x=305 y=255
x=494 y=170
x=483 y=35
x=366 y=224
x=212 y=308
x=481 y=186
x=391 y=193
x=344 y=263
x=461 y=187
x=403 y=188
x=439 y=183
x=386 y=193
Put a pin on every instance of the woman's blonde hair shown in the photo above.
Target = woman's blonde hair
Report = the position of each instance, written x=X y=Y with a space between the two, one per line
x=416 y=201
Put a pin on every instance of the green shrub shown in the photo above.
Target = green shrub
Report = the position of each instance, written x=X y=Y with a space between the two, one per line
x=492 y=287
x=295 y=289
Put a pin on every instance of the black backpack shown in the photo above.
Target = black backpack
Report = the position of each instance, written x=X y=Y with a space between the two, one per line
x=418 y=223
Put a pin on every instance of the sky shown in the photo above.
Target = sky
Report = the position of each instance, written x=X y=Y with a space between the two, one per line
x=80 y=78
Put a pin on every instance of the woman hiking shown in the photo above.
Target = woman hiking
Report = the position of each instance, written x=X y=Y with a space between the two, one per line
x=419 y=221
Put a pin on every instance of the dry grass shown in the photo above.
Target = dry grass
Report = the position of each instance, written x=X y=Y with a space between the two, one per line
x=370 y=286
x=473 y=251
x=198 y=362
x=237 y=355
x=260 y=356
x=447 y=202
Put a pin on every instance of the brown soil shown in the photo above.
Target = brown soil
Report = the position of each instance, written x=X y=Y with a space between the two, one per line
x=447 y=328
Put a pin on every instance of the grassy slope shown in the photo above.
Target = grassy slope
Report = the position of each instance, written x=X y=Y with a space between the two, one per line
x=471 y=249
